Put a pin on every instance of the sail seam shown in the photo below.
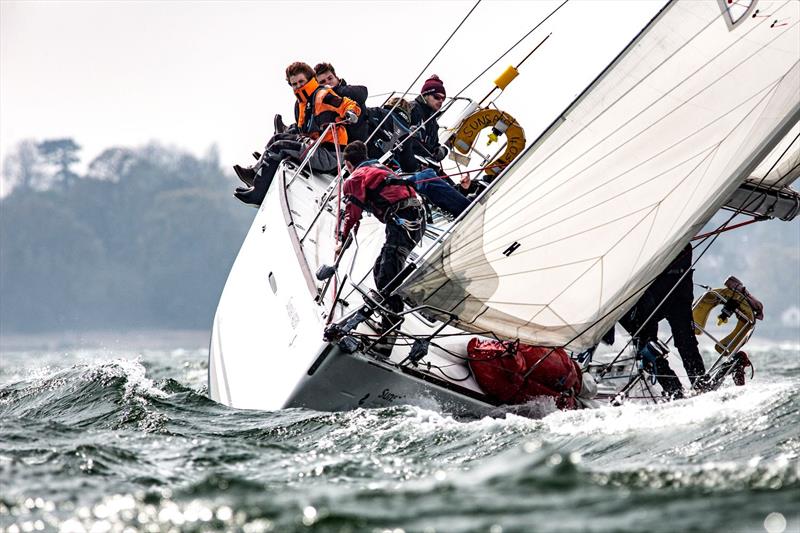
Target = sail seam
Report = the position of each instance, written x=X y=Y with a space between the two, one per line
x=711 y=149
x=506 y=216
x=468 y=262
x=642 y=80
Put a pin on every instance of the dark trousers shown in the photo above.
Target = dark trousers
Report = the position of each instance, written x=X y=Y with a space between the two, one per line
x=677 y=310
x=396 y=249
x=439 y=192
x=283 y=145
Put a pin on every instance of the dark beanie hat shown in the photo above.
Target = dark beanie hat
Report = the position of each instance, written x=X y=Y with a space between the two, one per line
x=433 y=85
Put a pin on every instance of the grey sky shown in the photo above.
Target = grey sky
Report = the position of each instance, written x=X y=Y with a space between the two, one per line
x=192 y=74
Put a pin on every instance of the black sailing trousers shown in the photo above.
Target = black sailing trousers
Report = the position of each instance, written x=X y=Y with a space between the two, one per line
x=677 y=310
x=396 y=249
x=283 y=145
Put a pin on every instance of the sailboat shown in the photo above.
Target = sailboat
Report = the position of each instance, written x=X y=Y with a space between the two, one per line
x=699 y=113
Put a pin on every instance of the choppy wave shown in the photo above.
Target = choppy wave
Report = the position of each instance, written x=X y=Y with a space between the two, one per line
x=105 y=442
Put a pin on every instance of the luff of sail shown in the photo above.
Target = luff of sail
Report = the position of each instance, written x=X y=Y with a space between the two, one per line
x=567 y=238
x=767 y=192
x=782 y=166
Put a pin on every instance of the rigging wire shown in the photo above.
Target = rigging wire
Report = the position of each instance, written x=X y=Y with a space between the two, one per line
x=533 y=29
x=729 y=228
x=509 y=214
x=484 y=71
x=648 y=75
x=421 y=72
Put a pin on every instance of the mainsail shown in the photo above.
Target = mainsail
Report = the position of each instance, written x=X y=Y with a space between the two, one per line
x=565 y=240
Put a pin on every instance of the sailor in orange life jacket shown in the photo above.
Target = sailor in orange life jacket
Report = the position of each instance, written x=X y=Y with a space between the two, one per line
x=315 y=108
x=397 y=206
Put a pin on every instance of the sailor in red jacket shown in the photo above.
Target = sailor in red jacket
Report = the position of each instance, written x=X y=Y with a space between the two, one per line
x=397 y=206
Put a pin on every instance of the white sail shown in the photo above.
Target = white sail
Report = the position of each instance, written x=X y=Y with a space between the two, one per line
x=565 y=240
x=782 y=166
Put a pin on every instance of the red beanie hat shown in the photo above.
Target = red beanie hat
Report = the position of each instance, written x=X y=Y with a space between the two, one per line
x=433 y=85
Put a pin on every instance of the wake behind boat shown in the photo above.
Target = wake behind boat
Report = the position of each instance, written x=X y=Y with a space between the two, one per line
x=699 y=113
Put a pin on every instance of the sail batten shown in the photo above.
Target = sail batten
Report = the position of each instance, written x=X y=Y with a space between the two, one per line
x=575 y=228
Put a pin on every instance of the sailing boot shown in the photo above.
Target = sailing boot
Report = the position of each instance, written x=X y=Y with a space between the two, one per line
x=701 y=383
x=668 y=380
x=742 y=362
x=383 y=349
x=280 y=127
x=246 y=174
x=255 y=194
x=261 y=182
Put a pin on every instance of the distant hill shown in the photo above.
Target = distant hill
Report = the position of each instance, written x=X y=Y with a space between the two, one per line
x=766 y=257
x=145 y=239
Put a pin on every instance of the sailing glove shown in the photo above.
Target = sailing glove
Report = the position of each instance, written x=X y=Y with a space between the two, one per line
x=440 y=153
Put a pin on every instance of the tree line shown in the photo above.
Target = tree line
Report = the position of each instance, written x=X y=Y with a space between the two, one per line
x=144 y=238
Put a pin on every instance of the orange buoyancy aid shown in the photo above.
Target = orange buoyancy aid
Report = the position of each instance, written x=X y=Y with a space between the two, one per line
x=318 y=106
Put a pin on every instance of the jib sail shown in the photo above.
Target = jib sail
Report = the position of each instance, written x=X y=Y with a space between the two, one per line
x=564 y=241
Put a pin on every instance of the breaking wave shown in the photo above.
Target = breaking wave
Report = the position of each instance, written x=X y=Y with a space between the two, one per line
x=108 y=443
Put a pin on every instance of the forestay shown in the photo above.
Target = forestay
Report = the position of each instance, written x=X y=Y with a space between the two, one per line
x=565 y=240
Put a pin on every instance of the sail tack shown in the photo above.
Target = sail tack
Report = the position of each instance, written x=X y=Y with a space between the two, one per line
x=568 y=237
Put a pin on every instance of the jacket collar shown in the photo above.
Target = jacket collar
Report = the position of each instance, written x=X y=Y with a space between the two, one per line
x=304 y=93
x=424 y=105
x=367 y=163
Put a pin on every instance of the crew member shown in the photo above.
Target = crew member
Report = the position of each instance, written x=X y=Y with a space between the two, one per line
x=440 y=191
x=424 y=109
x=326 y=75
x=397 y=206
x=390 y=125
x=315 y=108
x=677 y=310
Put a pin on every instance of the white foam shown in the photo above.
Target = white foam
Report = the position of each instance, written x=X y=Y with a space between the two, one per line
x=727 y=403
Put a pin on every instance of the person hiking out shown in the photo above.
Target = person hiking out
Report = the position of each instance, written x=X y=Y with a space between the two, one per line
x=326 y=75
x=315 y=108
x=424 y=110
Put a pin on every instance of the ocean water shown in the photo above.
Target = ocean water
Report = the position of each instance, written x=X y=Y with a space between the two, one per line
x=103 y=437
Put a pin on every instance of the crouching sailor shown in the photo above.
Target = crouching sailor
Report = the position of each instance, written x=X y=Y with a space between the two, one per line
x=370 y=188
